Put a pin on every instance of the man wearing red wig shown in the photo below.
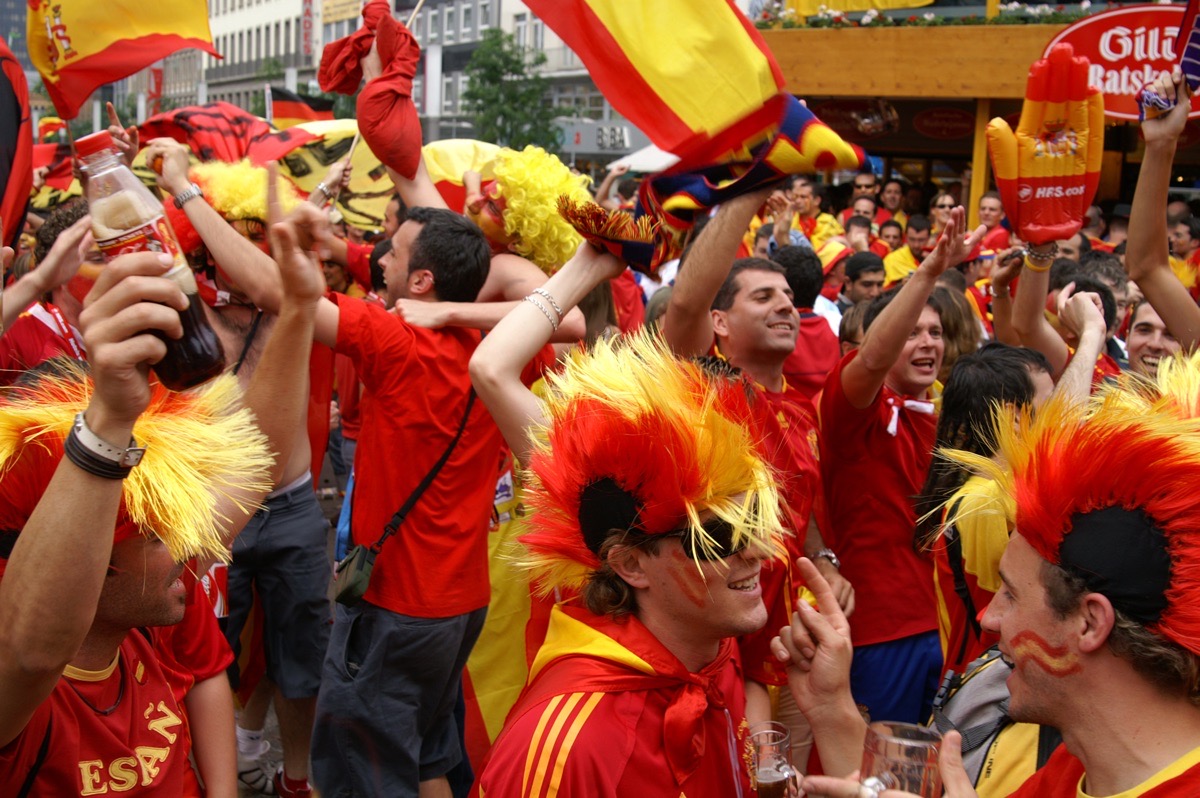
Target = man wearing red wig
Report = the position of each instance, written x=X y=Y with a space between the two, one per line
x=1099 y=613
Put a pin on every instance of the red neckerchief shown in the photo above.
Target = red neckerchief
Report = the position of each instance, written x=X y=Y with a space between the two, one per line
x=683 y=726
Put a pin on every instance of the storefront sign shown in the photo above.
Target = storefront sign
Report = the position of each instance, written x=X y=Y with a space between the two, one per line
x=1128 y=49
x=945 y=124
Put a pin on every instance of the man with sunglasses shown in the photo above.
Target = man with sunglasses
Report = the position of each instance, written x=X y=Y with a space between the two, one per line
x=638 y=687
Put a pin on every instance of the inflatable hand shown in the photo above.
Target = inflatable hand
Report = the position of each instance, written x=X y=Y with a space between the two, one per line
x=1048 y=171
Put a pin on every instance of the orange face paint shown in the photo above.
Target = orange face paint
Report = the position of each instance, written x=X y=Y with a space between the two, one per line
x=1028 y=647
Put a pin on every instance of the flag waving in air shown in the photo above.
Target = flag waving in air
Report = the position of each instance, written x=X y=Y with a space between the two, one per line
x=78 y=45
x=697 y=78
x=289 y=108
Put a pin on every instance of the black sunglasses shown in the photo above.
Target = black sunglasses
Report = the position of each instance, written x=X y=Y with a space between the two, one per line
x=720 y=533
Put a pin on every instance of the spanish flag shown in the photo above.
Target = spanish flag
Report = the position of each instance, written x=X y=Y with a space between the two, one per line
x=48 y=126
x=78 y=45
x=16 y=148
x=677 y=69
x=289 y=108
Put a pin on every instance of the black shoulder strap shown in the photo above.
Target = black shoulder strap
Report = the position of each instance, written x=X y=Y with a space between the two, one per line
x=258 y=315
x=1049 y=739
x=400 y=515
x=37 y=763
x=954 y=553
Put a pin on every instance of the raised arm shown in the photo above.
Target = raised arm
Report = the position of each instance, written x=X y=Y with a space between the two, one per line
x=1146 y=254
x=43 y=621
x=863 y=376
x=1008 y=266
x=1083 y=315
x=247 y=265
x=419 y=190
x=497 y=364
x=1028 y=312
x=604 y=196
x=509 y=280
x=61 y=264
x=687 y=325
x=278 y=390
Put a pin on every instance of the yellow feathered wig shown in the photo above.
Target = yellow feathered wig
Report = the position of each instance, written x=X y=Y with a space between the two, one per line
x=1108 y=490
x=531 y=181
x=638 y=439
x=237 y=191
x=200 y=445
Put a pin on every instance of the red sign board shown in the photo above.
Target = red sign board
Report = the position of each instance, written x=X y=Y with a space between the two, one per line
x=1128 y=49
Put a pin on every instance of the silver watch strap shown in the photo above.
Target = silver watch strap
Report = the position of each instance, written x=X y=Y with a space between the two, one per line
x=190 y=193
x=127 y=457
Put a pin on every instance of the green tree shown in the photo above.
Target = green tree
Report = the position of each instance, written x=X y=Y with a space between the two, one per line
x=271 y=72
x=506 y=97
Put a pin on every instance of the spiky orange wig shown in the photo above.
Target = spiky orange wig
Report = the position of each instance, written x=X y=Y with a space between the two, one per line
x=200 y=445
x=1134 y=447
x=654 y=434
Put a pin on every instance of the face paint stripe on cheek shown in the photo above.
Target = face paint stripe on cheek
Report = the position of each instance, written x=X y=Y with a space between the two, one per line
x=1028 y=647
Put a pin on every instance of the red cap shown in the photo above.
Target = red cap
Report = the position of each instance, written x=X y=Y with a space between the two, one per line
x=96 y=142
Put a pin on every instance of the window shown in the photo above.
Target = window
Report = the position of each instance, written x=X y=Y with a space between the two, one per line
x=418 y=93
x=521 y=29
x=275 y=50
x=468 y=21
x=435 y=25
x=449 y=95
x=539 y=35
x=287 y=36
x=485 y=16
x=258 y=43
x=451 y=26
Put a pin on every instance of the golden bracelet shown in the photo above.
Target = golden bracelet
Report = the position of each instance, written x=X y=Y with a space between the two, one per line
x=1029 y=264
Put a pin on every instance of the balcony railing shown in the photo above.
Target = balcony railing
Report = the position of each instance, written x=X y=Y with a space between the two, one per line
x=254 y=68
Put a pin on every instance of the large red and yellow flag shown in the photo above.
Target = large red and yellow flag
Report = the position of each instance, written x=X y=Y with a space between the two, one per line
x=677 y=69
x=78 y=45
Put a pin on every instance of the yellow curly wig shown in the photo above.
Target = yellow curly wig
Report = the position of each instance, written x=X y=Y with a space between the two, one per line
x=531 y=181
x=239 y=190
x=672 y=442
x=200 y=445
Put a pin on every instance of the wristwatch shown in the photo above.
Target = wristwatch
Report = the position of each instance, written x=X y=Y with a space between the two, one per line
x=190 y=193
x=128 y=457
x=828 y=555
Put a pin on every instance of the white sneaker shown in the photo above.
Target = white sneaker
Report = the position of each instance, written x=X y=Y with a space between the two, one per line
x=255 y=773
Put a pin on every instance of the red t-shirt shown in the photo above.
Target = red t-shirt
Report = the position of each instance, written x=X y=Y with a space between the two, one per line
x=871 y=476
x=348 y=389
x=198 y=649
x=140 y=748
x=35 y=337
x=616 y=714
x=1062 y=777
x=629 y=300
x=786 y=423
x=996 y=238
x=358 y=262
x=415 y=387
x=817 y=352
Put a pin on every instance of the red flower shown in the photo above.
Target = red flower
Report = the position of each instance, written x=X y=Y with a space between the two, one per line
x=1060 y=8
x=913 y=18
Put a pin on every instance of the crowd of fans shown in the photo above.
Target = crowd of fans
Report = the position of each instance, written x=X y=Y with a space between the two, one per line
x=693 y=460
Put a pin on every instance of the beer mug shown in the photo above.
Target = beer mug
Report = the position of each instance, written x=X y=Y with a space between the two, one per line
x=771 y=757
x=902 y=756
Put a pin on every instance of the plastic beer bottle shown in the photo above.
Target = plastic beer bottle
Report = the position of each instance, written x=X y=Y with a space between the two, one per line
x=127 y=218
